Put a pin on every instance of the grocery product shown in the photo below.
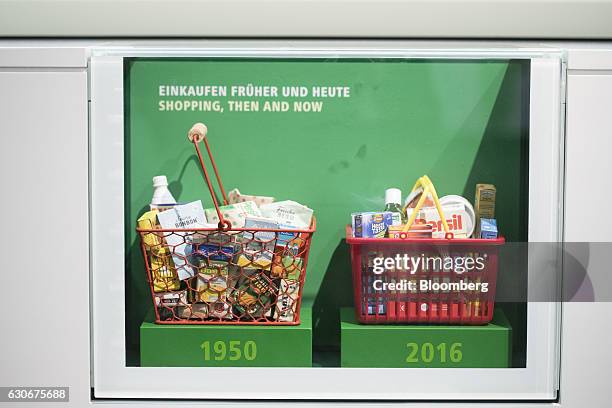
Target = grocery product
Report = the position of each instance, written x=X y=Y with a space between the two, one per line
x=234 y=213
x=210 y=268
x=284 y=265
x=161 y=194
x=212 y=236
x=164 y=207
x=375 y=304
x=372 y=305
x=459 y=200
x=488 y=228
x=286 y=301
x=171 y=299
x=148 y=220
x=206 y=254
x=205 y=293
x=484 y=203
x=371 y=224
x=193 y=311
x=288 y=266
x=183 y=216
x=210 y=287
x=457 y=219
x=416 y=231
x=289 y=214
x=415 y=195
x=235 y=196
x=190 y=215
x=220 y=310
x=163 y=271
x=393 y=204
x=252 y=296
x=259 y=246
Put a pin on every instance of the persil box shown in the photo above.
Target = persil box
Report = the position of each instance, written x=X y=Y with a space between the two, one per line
x=371 y=224
x=459 y=222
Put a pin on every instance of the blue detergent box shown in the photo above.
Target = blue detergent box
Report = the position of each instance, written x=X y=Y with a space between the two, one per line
x=488 y=228
x=371 y=224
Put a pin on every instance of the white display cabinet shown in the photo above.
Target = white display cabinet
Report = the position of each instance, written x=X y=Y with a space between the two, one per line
x=538 y=380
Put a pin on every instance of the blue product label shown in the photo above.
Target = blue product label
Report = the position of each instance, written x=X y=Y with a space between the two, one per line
x=488 y=228
x=371 y=224
x=379 y=223
x=284 y=237
x=488 y=234
x=214 y=252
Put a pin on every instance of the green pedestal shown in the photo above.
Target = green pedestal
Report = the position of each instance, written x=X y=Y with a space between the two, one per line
x=424 y=345
x=227 y=346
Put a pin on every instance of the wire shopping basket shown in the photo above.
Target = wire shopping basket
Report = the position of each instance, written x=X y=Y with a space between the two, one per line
x=251 y=276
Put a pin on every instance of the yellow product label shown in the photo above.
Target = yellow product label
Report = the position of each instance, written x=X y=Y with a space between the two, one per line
x=256 y=262
x=212 y=270
x=149 y=221
x=164 y=273
x=211 y=296
x=484 y=204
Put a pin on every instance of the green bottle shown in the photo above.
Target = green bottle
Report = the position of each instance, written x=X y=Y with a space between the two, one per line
x=393 y=203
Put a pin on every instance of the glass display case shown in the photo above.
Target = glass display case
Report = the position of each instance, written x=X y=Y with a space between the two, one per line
x=331 y=128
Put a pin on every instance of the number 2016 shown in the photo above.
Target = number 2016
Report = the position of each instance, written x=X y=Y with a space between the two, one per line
x=427 y=352
x=232 y=350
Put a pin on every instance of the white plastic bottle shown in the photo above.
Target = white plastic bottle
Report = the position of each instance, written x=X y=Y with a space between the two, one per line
x=161 y=194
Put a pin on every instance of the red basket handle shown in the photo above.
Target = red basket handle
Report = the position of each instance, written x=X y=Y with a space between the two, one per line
x=196 y=134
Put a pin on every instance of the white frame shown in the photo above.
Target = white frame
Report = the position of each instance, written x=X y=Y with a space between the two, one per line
x=111 y=377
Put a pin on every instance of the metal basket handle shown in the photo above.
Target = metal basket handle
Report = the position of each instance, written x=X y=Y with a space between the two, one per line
x=196 y=134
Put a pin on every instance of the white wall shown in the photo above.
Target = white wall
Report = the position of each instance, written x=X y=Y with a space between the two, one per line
x=545 y=19
x=586 y=356
x=45 y=263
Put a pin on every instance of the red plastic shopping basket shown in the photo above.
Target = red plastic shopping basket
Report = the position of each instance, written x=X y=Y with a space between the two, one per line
x=453 y=291
x=240 y=275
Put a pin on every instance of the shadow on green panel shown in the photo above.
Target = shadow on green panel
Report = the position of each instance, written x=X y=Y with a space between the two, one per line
x=503 y=159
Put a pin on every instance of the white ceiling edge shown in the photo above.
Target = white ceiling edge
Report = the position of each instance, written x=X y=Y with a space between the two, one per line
x=75 y=53
x=491 y=19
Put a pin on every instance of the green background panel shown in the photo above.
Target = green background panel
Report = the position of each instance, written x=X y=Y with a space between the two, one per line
x=165 y=345
x=485 y=346
x=459 y=121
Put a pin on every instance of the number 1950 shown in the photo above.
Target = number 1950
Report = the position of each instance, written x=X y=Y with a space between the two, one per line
x=232 y=350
